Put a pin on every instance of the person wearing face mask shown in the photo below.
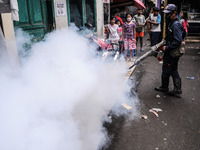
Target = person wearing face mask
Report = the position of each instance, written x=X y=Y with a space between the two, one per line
x=128 y=35
x=174 y=37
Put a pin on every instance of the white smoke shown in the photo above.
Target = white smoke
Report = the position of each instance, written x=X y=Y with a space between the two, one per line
x=61 y=96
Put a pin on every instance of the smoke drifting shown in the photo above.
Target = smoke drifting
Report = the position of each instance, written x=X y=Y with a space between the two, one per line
x=61 y=96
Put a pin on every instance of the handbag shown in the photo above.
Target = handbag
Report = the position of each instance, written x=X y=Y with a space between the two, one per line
x=178 y=52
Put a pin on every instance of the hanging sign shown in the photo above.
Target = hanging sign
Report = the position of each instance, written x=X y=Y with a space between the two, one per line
x=60 y=9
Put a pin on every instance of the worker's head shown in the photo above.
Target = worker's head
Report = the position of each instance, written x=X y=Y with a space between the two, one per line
x=139 y=11
x=171 y=11
x=112 y=20
x=128 y=17
x=155 y=11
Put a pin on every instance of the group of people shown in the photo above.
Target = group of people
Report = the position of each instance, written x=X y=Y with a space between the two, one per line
x=131 y=32
x=133 y=29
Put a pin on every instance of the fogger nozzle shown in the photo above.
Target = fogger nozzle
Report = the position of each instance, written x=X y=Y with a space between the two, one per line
x=151 y=52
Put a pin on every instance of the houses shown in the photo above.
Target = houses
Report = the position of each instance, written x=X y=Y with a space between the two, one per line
x=39 y=17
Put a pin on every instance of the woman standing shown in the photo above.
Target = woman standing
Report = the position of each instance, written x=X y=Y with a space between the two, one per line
x=129 y=36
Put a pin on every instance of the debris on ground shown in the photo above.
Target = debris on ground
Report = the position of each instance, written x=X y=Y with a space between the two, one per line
x=193 y=58
x=191 y=78
x=126 y=106
x=145 y=117
x=164 y=123
x=155 y=111
x=159 y=103
x=158 y=96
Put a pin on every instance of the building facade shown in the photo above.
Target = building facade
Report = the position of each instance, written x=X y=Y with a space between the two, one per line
x=39 y=17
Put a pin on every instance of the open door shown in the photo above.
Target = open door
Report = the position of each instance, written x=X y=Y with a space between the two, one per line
x=33 y=17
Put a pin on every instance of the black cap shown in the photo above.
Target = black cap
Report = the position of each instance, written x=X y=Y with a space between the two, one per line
x=170 y=8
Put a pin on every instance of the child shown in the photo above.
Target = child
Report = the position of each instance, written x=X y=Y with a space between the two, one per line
x=140 y=22
x=184 y=22
x=155 y=21
x=128 y=35
x=120 y=35
x=113 y=30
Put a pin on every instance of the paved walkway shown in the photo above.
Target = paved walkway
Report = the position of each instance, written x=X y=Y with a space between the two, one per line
x=178 y=125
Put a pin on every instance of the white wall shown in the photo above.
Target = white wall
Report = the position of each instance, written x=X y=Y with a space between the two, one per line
x=9 y=35
x=100 y=18
x=62 y=20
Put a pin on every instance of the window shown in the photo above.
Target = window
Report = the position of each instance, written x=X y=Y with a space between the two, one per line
x=81 y=12
x=90 y=14
x=76 y=12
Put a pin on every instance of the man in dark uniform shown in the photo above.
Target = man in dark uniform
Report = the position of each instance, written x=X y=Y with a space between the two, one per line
x=173 y=41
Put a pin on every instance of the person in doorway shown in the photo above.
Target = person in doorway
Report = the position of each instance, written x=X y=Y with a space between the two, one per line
x=116 y=14
x=140 y=22
x=155 y=21
x=173 y=40
x=113 y=31
x=129 y=36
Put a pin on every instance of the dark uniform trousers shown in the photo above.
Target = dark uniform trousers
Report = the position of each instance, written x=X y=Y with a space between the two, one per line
x=170 y=67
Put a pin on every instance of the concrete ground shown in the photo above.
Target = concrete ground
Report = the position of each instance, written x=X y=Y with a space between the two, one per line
x=178 y=125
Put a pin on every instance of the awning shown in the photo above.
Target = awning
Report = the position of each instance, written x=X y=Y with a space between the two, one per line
x=121 y=3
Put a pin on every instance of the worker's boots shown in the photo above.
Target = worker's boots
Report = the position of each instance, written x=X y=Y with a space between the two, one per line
x=164 y=86
x=177 y=87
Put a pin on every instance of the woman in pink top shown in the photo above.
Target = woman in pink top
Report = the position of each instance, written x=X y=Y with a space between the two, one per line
x=129 y=36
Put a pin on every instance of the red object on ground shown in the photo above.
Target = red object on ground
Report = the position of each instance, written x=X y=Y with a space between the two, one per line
x=101 y=43
x=139 y=4
x=160 y=58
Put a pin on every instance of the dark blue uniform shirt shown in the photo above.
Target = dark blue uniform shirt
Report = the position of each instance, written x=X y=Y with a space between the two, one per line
x=174 y=35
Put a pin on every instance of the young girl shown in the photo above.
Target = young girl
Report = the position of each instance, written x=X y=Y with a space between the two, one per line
x=120 y=35
x=120 y=29
x=184 y=22
x=129 y=36
x=113 y=30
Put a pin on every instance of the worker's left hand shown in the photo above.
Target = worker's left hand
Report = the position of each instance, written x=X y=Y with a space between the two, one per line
x=162 y=48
